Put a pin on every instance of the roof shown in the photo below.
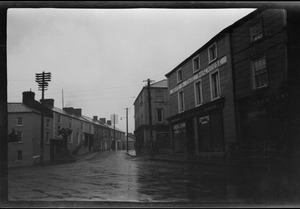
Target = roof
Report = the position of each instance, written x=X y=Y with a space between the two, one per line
x=223 y=32
x=160 y=84
x=19 y=108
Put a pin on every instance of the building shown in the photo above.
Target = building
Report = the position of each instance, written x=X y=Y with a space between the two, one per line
x=116 y=136
x=201 y=100
x=159 y=113
x=265 y=57
x=24 y=128
x=239 y=92
x=131 y=142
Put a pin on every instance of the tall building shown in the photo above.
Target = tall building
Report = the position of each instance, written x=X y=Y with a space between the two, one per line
x=159 y=113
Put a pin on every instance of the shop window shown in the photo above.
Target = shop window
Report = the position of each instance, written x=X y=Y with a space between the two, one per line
x=260 y=74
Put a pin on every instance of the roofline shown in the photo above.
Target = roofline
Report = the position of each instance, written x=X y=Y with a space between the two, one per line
x=156 y=87
x=222 y=32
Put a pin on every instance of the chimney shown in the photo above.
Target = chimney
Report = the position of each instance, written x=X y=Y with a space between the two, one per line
x=69 y=110
x=109 y=122
x=103 y=120
x=49 y=102
x=78 y=111
x=28 y=98
x=95 y=117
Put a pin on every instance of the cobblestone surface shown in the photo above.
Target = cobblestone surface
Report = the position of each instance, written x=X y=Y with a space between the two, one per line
x=119 y=177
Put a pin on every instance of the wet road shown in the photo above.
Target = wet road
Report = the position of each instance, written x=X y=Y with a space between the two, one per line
x=115 y=176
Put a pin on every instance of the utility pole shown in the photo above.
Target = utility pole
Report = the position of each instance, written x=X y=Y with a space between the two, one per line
x=127 y=128
x=42 y=79
x=115 y=132
x=150 y=117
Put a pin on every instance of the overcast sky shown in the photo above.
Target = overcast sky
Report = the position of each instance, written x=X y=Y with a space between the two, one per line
x=100 y=57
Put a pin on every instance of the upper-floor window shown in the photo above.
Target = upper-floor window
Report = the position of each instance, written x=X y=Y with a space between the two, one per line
x=215 y=85
x=212 y=53
x=59 y=118
x=70 y=123
x=141 y=100
x=159 y=115
x=180 y=101
x=90 y=128
x=81 y=126
x=198 y=93
x=20 y=136
x=47 y=123
x=196 y=63
x=47 y=137
x=158 y=95
x=19 y=121
x=260 y=74
x=179 y=75
x=256 y=31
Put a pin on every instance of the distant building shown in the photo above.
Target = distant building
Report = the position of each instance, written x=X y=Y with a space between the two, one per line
x=131 y=142
x=159 y=111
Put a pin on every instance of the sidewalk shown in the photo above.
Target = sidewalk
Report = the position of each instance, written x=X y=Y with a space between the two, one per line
x=219 y=161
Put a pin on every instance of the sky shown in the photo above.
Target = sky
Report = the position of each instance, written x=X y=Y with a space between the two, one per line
x=99 y=59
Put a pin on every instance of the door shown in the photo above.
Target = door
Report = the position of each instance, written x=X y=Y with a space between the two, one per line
x=205 y=143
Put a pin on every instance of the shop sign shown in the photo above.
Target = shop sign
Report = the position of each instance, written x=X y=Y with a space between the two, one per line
x=200 y=74
x=179 y=128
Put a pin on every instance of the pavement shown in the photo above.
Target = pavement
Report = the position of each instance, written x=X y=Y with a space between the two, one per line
x=240 y=161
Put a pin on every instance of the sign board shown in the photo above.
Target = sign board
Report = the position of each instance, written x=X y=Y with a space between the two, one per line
x=200 y=74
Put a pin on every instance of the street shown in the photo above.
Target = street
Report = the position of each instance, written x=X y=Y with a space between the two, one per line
x=116 y=176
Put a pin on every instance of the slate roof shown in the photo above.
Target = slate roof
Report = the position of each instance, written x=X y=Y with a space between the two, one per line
x=20 y=108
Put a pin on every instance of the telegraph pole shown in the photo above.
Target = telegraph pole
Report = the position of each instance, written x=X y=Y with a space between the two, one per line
x=42 y=79
x=115 y=132
x=150 y=117
x=127 y=128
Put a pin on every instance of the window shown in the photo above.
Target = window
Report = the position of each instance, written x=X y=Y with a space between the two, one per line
x=256 y=31
x=19 y=155
x=215 y=85
x=260 y=73
x=212 y=52
x=198 y=93
x=159 y=115
x=90 y=128
x=179 y=75
x=71 y=138
x=59 y=118
x=196 y=64
x=47 y=137
x=159 y=95
x=47 y=123
x=81 y=126
x=141 y=100
x=19 y=135
x=19 y=121
x=70 y=123
x=180 y=101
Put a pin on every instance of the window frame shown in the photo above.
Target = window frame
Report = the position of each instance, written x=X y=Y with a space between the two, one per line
x=162 y=115
x=210 y=60
x=158 y=94
x=20 y=136
x=181 y=101
x=17 y=156
x=253 y=71
x=193 y=63
x=260 y=22
x=196 y=93
x=177 y=73
x=218 y=85
x=19 y=124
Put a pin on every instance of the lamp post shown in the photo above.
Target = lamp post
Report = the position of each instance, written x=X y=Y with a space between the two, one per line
x=42 y=79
